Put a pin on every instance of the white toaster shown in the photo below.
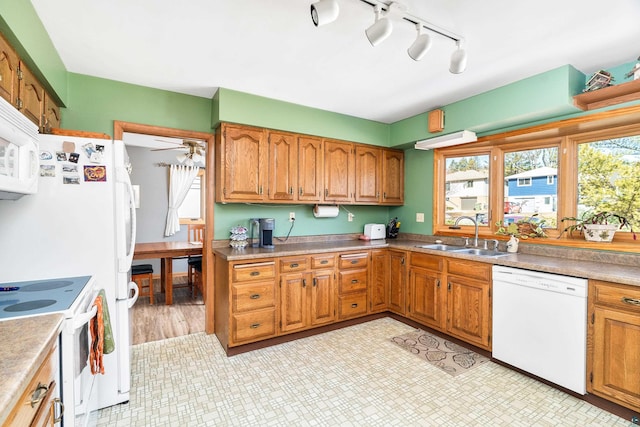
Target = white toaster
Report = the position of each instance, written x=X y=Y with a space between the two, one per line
x=375 y=231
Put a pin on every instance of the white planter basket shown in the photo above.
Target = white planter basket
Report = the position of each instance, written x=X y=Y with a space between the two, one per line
x=599 y=232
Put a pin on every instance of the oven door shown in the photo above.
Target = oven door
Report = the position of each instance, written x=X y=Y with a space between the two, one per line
x=79 y=393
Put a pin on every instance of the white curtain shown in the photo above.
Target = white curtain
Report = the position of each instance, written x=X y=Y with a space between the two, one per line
x=180 y=179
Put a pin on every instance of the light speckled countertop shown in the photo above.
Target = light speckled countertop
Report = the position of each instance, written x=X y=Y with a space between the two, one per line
x=594 y=265
x=24 y=344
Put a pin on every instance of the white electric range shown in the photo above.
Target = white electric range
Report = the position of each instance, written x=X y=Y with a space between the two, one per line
x=74 y=298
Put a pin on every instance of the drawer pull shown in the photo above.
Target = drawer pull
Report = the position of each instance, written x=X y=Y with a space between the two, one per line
x=254 y=273
x=355 y=261
x=255 y=326
x=38 y=394
x=324 y=261
x=255 y=296
x=354 y=305
x=57 y=402
x=294 y=265
x=354 y=280
x=631 y=301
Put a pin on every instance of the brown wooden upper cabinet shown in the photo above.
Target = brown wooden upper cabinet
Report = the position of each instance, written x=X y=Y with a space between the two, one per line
x=261 y=165
x=9 y=64
x=51 y=115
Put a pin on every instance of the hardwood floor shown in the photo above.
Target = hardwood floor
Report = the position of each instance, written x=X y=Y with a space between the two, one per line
x=160 y=321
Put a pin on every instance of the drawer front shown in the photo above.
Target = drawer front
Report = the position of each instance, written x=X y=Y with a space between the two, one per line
x=352 y=281
x=252 y=296
x=257 y=271
x=431 y=262
x=352 y=305
x=615 y=295
x=288 y=265
x=253 y=326
x=474 y=270
x=37 y=393
x=358 y=260
x=323 y=261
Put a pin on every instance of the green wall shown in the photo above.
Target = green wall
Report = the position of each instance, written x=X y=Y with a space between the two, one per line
x=95 y=103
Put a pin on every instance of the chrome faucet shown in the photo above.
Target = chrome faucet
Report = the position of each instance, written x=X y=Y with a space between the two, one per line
x=475 y=223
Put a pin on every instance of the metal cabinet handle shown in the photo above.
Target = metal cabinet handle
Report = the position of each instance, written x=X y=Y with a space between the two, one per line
x=315 y=282
x=304 y=283
x=57 y=402
x=448 y=286
x=354 y=305
x=354 y=280
x=255 y=296
x=260 y=190
x=300 y=191
x=438 y=283
x=293 y=265
x=631 y=301
x=324 y=261
x=384 y=195
x=290 y=190
x=39 y=394
x=326 y=192
x=255 y=326
x=254 y=273
x=355 y=261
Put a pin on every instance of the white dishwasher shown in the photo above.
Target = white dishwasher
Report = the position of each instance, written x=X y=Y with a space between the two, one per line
x=540 y=325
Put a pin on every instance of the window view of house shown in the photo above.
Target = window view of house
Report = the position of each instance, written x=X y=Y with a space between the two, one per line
x=609 y=177
x=530 y=185
x=467 y=188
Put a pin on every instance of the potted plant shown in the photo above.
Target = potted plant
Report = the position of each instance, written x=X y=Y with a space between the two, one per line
x=598 y=226
x=524 y=228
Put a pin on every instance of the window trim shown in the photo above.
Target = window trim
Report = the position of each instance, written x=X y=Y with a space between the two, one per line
x=203 y=194
x=566 y=135
x=524 y=182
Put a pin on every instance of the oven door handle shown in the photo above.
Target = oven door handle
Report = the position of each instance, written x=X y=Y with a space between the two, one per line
x=82 y=319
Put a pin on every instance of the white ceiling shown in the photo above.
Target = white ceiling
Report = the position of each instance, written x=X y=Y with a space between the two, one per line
x=271 y=48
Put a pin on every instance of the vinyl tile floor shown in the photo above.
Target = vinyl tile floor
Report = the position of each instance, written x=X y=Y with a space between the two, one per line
x=349 y=377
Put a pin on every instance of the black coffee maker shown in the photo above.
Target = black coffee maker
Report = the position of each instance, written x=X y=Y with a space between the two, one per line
x=264 y=228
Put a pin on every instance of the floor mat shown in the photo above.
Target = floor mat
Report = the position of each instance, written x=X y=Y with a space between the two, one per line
x=446 y=355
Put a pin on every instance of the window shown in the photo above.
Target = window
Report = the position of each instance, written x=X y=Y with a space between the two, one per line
x=191 y=211
x=609 y=177
x=552 y=171
x=467 y=191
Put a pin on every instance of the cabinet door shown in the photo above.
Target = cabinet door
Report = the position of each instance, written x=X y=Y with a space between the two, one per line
x=338 y=171
x=242 y=166
x=379 y=280
x=310 y=169
x=51 y=115
x=469 y=310
x=367 y=176
x=283 y=155
x=31 y=96
x=426 y=304
x=393 y=177
x=293 y=301
x=8 y=72
x=616 y=359
x=323 y=297
x=397 y=281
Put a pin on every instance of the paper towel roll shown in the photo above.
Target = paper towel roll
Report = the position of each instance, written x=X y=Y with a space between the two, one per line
x=326 y=211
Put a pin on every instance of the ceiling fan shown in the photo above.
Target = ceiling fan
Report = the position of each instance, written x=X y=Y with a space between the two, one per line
x=195 y=152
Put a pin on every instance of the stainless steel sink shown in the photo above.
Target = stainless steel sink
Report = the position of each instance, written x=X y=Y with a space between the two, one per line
x=480 y=252
x=440 y=247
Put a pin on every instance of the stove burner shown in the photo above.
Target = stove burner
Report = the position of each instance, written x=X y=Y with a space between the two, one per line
x=30 y=305
x=46 y=286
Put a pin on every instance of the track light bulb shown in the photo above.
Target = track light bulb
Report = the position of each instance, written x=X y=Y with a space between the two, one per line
x=380 y=30
x=324 y=12
x=458 y=60
x=420 y=46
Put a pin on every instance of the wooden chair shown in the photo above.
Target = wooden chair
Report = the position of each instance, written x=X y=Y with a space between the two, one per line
x=138 y=274
x=194 y=271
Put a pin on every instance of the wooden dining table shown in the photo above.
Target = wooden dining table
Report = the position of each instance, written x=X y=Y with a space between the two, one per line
x=166 y=251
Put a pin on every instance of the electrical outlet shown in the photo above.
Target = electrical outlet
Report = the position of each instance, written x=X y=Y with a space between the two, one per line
x=419 y=217
x=292 y=216
x=350 y=217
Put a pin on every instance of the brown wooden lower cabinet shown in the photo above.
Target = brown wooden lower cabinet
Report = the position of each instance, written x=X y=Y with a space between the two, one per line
x=613 y=353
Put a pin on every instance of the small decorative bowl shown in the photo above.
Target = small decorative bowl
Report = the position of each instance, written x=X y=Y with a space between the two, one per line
x=238 y=244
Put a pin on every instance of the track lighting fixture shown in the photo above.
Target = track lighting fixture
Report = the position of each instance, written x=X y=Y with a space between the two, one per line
x=458 y=60
x=420 y=46
x=326 y=11
x=381 y=28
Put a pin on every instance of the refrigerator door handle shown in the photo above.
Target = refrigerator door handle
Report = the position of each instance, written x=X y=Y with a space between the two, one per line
x=132 y=299
x=125 y=264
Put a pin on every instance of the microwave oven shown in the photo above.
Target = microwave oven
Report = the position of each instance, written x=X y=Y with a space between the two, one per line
x=19 y=158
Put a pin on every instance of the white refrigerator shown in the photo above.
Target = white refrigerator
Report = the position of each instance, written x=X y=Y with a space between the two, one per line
x=80 y=222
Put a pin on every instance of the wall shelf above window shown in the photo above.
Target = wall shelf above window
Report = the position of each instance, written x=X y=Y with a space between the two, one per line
x=607 y=96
